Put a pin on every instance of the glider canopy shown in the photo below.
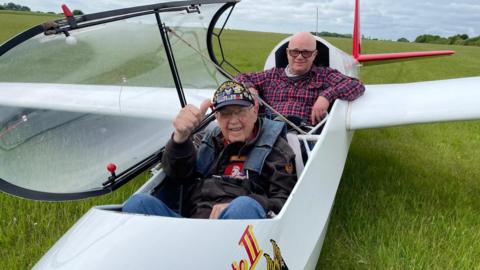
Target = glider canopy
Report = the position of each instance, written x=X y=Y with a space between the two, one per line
x=82 y=92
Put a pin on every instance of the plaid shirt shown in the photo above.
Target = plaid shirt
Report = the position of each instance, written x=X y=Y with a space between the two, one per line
x=296 y=97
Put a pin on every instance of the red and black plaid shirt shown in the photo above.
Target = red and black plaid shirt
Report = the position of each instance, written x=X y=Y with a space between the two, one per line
x=296 y=97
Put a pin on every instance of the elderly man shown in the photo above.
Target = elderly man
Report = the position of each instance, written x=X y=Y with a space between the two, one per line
x=242 y=169
x=300 y=89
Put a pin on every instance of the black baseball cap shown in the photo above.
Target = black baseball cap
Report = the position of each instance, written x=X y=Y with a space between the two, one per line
x=232 y=93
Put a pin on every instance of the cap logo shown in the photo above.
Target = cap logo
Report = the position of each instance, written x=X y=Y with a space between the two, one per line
x=231 y=91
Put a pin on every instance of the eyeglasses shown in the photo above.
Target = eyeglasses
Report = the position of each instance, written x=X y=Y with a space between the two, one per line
x=305 y=53
x=240 y=112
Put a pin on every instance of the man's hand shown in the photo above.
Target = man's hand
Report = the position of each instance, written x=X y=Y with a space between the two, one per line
x=255 y=94
x=217 y=209
x=319 y=109
x=188 y=119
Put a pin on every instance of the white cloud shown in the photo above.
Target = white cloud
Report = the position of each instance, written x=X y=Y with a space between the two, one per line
x=387 y=19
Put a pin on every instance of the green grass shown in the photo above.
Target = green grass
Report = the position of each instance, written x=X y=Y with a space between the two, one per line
x=248 y=50
x=14 y=22
x=408 y=200
x=29 y=228
x=408 y=196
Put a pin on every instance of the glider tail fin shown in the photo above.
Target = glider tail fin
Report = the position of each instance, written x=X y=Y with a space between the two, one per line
x=357 y=40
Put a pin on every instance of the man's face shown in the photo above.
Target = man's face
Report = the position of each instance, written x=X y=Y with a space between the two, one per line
x=301 y=63
x=236 y=122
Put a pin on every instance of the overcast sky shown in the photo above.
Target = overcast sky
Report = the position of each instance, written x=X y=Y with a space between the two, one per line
x=384 y=19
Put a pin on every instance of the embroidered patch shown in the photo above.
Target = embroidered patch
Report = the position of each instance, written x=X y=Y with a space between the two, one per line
x=238 y=158
x=235 y=170
x=289 y=168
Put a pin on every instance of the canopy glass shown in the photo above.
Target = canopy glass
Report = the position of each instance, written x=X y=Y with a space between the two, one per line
x=106 y=94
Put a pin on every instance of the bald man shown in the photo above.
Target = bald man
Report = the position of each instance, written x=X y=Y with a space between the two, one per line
x=302 y=89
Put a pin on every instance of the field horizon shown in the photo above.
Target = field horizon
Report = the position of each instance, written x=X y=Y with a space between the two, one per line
x=407 y=198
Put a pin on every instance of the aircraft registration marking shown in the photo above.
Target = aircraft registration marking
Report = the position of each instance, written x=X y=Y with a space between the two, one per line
x=250 y=244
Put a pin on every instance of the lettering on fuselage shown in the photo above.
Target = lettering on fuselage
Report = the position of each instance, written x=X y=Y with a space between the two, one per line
x=250 y=244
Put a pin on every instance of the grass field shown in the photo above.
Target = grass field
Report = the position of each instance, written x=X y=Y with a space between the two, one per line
x=408 y=196
x=14 y=22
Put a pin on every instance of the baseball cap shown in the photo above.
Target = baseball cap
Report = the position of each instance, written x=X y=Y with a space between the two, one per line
x=231 y=93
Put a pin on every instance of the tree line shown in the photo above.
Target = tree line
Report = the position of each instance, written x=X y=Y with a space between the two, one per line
x=15 y=7
x=459 y=39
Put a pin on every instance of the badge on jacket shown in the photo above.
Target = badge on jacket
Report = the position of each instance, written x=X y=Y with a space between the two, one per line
x=289 y=168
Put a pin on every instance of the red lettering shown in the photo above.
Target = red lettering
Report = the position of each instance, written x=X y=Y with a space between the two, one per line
x=249 y=243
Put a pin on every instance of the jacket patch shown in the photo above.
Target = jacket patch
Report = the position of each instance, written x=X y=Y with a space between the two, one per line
x=289 y=168
x=238 y=158
x=235 y=170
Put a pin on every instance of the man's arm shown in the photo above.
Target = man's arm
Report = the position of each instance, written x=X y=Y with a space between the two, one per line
x=179 y=158
x=341 y=86
x=280 y=175
x=255 y=80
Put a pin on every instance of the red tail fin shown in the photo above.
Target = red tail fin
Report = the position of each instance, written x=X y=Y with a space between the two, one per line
x=357 y=40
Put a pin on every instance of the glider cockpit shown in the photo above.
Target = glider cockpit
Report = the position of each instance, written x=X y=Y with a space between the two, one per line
x=80 y=93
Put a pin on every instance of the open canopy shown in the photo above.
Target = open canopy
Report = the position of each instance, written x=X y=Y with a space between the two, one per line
x=100 y=88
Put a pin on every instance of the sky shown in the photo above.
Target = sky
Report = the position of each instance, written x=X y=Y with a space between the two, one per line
x=382 y=19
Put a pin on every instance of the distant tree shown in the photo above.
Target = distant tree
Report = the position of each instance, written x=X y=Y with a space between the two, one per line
x=458 y=39
x=2 y=7
x=431 y=39
x=329 y=34
x=475 y=41
x=13 y=6
x=402 y=40
x=421 y=39
x=77 y=12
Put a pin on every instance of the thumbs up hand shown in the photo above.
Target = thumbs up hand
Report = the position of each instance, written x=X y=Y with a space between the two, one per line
x=188 y=119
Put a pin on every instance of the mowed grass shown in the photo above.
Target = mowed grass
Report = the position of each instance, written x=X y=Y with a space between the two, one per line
x=12 y=23
x=408 y=196
x=29 y=228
